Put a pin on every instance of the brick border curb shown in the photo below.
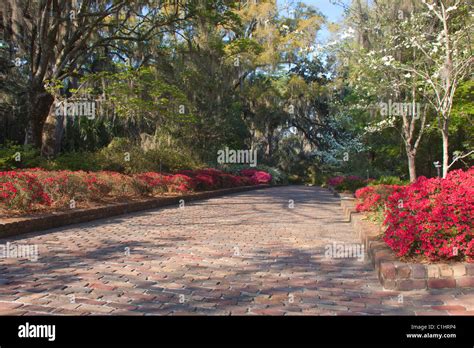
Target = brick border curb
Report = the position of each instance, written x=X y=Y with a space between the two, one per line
x=60 y=219
x=396 y=275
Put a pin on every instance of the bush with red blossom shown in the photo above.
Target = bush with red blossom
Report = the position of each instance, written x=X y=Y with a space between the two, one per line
x=27 y=189
x=180 y=183
x=20 y=189
x=151 y=182
x=433 y=218
x=257 y=176
x=206 y=182
x=373 y=198
x=336 y=180
x=229 y=180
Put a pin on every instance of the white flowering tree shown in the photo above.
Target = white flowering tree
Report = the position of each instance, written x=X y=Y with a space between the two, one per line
x=413 y=53
x=403 y=106
x=440 y=38
x=396 y=97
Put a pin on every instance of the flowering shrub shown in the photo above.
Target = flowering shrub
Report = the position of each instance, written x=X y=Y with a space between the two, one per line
x=208 y=179
x=347 y=183
x=21 y=189
x=433 y=217
x=27 y=189
x=373 y=198
x=205 y=182
x=151 y=182
x=388 y=180
x=336 y=180
x=257 y=176
x=277 y=175
x=180 y=183
x=211 y=179
x=64 y=186
x=229 y=180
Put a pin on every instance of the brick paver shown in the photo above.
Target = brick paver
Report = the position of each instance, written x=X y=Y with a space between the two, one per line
x=249 y=253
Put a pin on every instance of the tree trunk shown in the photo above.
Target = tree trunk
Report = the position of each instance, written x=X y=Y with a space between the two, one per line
x=411 y=165
x=269 y=149
x=445 y=134
x=51 y=132
x=40 y=102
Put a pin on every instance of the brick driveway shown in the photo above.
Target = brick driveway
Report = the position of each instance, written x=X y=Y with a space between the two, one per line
x=247 y=253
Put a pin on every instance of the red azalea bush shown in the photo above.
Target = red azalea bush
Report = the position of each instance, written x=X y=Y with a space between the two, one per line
x=57 y=188
x=180 y=183
x=257 y=176
x=22 y=190
x=205 y=179
x=208 y=179
x=26 y=189
x=229 y=180
x=373 y=198
x=63 y=186
x=433 y=217
x=335 y=181
x=211 y=179
x=205 y=182
x=150 y=183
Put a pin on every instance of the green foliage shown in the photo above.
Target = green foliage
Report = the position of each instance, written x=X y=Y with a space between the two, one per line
x=463 y=104
x=377 y=216
x=17 y=156
x=123 y=156
x=87 y=161
x=294 y=161
x=350 y=185
x=388 y=180
x=296 y=179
